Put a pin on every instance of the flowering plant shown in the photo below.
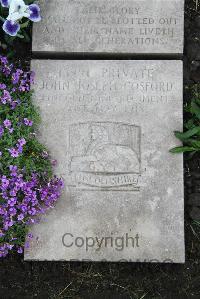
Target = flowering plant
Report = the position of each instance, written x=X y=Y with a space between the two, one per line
x=27 y=186
x=13 y=13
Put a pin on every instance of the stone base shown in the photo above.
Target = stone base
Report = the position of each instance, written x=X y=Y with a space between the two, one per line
x=110 y=126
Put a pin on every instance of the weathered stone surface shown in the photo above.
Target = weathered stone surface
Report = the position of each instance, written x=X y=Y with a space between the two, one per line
x=93 y=26
x=110 y=126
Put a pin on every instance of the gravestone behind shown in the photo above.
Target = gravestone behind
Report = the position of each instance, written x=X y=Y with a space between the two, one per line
x=99 y=26
x=110 y=125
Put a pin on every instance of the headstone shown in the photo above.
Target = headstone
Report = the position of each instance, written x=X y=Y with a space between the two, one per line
x=117 y=26
x=110 y=126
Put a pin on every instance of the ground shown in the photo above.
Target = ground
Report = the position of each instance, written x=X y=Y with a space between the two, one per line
x=19 y=279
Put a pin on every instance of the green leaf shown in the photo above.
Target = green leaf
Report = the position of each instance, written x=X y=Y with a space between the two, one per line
x=26 y=36
x=29 y=1
x=179 y=135
x=11 y=54
x=9 y=39
x=195 y=143
x=20 y=36
x=24 y=25
x=182 y=149
x=189 y=124
x=195 y=109
x=184 y=136
x=2 y=19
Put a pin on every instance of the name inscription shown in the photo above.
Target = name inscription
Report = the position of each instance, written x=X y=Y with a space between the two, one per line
x=110 y=90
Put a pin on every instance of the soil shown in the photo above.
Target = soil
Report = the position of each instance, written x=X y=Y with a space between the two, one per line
x=19 y=279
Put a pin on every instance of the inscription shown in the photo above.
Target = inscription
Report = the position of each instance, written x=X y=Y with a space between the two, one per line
x=119 y=89
x=114 y=26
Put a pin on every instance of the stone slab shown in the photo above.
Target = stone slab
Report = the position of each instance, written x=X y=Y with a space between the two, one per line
x=117 y=26
x=110 y=126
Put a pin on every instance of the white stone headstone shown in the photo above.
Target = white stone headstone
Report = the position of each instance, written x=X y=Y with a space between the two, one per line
x=110 y=126
x=110 y=26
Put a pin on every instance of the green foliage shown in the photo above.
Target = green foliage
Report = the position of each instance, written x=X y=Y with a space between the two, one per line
x=28 y=187
x=31 y=159
x=191 y=135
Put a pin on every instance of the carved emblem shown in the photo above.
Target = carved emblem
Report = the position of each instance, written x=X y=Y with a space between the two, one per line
x=105 y=155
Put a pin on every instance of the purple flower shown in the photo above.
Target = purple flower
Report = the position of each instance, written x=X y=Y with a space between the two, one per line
x=12 y=211
x=13 y=193
x=11 y=130
x=14 y=152
x=9 y=246
x=20 y=217
x=20 y=250
x=19 y=148
x=32 y=211
x=0 y=154
x=5 y=3
x=54 y=162
x=2 y=86
x=6 y=97
x=12 y=201
x=17 y=11
x=21 y=141
x=14 y=105
x=13 y=239
x=32 y=77
x=34 y=13
x=24 y=198
x=7 y=123
x=8 y=224
x=2 y=211
x=1 y=234
x=1 y=131
x=4 y=60
x=27 y=244
x=4 y=181
x=16 y=76
x=11 y=27
x=45 y=154
x=28 y=122
x=24 y=208
x=13 y=169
